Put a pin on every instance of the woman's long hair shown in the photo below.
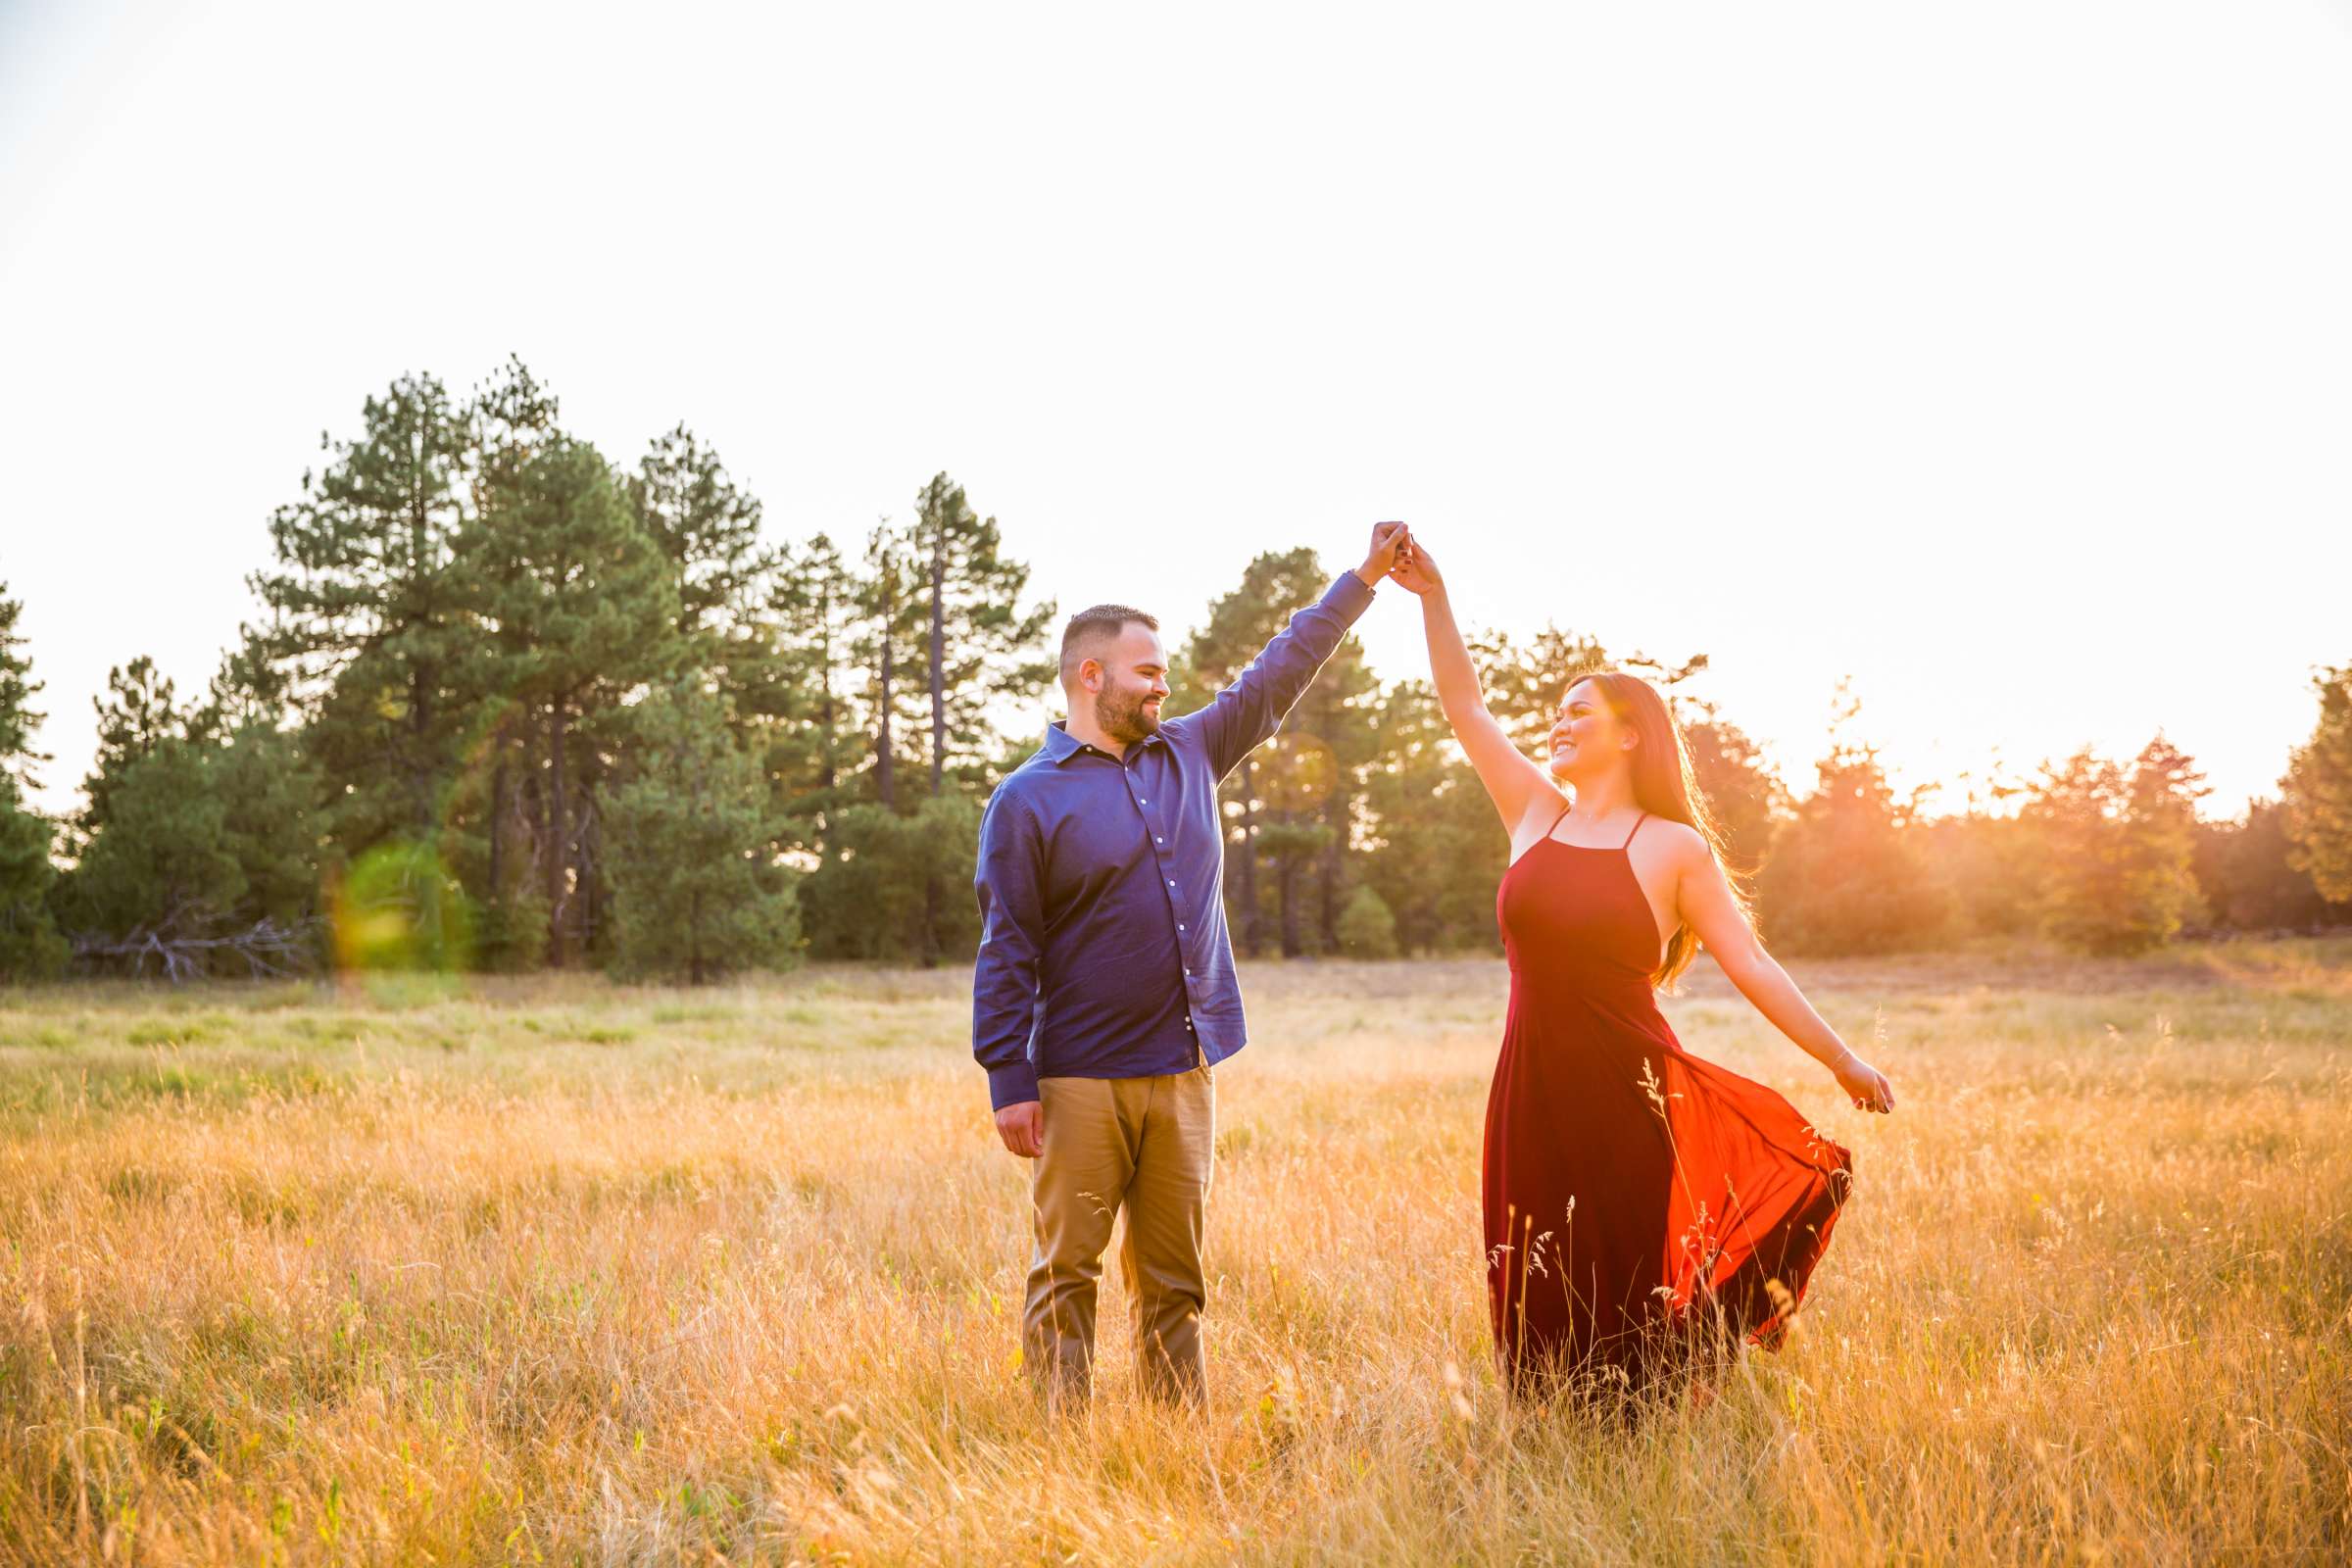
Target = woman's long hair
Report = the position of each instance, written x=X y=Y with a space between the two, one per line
x=1664 y=785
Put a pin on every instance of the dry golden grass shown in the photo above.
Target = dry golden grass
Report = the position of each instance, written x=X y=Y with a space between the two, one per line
x=558 y=1272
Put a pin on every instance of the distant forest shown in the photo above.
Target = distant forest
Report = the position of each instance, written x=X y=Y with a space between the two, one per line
x=509 y=704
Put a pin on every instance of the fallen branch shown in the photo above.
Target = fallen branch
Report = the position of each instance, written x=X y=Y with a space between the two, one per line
x=270 y=950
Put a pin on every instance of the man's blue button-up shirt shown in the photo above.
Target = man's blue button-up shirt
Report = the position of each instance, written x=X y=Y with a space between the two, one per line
x=1104 y=951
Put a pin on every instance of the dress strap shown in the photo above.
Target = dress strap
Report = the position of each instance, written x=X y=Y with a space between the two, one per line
x=1628 y=838
x=1557 y=820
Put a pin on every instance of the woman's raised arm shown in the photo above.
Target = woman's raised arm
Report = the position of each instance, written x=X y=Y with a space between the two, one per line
x=1514 y=782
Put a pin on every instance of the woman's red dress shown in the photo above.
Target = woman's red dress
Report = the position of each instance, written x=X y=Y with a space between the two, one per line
x=1639 y=1202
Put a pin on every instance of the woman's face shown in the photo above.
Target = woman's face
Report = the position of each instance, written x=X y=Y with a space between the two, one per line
x=1586 y=739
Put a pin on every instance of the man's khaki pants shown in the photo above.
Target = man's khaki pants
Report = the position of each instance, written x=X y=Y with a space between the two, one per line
x=1145 y=1143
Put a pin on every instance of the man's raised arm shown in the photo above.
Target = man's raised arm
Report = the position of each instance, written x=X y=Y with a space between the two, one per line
x=1247 y=712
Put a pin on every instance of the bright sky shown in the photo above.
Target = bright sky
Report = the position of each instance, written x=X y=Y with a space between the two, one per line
x=1997 y=354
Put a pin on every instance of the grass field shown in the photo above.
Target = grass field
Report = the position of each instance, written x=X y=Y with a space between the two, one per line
x=554 y=1271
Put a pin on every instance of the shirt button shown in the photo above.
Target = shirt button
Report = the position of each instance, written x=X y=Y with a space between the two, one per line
x=1171 y=884
x=1159 y=839
x=1180 y=925
x=1140 y=801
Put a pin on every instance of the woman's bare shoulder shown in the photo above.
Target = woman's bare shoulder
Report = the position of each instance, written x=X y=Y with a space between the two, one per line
x=1683 y=843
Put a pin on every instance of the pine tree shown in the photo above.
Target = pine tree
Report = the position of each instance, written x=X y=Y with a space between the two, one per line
x=2160 y=816
x=980 y=649
x=1296 y=800
x=511 y=421
x=890 y=617
x=584 y=607
x=248 y=688
x=1846 y=875
x=866 y=899
x=814 y=749
x=270 y=820
x=30 y=948
x=371 y=636
x=2317 y=792
x=1341 y=712
x=18 y=720
x=709 y=528
x=160 y=863
x=2116 y=849
x=892 y=876
x=1290 y=775
x=206 y=840
x=1310 y=776
x=697 y=892
x=134 y=716
x=727 y=579
x=1434 y=853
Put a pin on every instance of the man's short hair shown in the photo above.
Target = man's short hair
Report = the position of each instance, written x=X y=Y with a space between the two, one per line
x=1089 y=629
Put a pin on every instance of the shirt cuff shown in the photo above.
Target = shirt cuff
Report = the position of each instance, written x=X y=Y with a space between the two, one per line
x=1012 y=1084
x=1348 y=595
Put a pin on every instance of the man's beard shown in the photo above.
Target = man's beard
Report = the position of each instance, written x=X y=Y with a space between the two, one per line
x=1123 y=718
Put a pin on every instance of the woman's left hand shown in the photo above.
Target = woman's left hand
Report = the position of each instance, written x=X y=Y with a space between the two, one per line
x=1864 y=1085
x=1415 y=573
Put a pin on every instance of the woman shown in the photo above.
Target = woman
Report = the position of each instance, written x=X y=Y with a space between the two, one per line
x=1642 y=1206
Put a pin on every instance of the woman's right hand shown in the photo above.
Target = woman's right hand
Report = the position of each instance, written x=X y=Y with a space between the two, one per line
x=1414 y=571
x=1864 y=1085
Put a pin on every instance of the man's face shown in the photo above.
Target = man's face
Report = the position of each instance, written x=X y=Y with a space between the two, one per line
x=1127 y=681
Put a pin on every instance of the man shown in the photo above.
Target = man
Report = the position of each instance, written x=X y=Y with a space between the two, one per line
x=1104 y=991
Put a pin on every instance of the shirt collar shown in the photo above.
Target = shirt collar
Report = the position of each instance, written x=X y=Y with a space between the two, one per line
x=1061 y=745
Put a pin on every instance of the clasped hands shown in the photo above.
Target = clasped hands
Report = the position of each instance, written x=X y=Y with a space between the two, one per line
x=1397 y=552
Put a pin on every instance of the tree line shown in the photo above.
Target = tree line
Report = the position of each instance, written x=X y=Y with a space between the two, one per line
x=509 y=704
